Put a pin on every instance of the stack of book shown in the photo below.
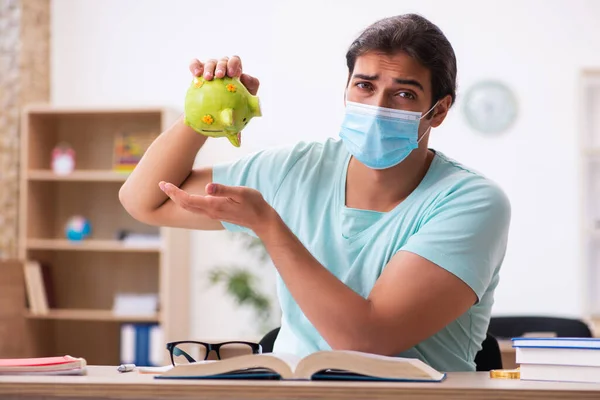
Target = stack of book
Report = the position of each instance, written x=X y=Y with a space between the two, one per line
x=558 y=359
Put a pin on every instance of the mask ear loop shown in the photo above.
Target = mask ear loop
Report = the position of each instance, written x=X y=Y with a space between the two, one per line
x=423 y=135
x=432 y=107
x=428 y=129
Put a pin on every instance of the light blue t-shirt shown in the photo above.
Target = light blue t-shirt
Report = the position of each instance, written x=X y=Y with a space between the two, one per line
x=455 y=218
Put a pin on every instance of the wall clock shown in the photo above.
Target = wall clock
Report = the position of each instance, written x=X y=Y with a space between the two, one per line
x=490 y=107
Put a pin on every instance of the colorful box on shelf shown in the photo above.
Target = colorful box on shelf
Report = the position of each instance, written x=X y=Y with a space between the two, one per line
x=129 y=149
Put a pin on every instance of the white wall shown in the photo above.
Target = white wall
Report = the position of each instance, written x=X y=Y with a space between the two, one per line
x=126 y=52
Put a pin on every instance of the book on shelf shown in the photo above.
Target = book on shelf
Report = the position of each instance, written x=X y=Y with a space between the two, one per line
x=64 y=365
x=321 y=365
x=142 y=344
x=558 y=359
x=38 y=284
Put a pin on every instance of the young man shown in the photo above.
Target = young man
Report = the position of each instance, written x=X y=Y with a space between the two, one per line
x=381 y=244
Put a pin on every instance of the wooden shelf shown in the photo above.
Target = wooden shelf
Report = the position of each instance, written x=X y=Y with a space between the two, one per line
x=91 y=315
x=77 y=176
x=90 y=245
x=78 y=281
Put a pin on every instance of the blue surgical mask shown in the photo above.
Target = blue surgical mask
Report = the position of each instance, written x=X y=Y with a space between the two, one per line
x=380 y=137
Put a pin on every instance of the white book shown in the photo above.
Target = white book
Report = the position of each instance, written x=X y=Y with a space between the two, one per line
x=127 y=344
x=558 y=356
x=560 y=373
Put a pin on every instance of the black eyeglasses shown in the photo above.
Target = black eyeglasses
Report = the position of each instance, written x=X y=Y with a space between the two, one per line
x=188 y=351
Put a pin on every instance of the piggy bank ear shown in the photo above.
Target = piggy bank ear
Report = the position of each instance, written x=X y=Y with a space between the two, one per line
x=227 y=117
x=254 y=103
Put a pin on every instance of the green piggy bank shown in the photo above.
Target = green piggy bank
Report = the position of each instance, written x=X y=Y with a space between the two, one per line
x=220 y=107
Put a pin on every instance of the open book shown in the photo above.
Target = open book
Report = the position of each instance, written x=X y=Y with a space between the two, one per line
x=322 y=365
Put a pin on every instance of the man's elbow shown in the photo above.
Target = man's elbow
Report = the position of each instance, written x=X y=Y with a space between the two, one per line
x=363 y=346
x=131 y=204
x=370 y=348
x=370 y=340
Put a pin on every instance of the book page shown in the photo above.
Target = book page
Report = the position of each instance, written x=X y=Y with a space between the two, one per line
x=280 y=364
x=369 y=365
x=291 y=360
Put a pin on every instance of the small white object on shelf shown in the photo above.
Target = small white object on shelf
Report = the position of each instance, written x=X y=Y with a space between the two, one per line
x=135 y=304
x=141 y=240
x=63 y=159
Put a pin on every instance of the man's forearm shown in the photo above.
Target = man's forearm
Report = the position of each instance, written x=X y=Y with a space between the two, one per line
x=169 y=158
x=341 y=316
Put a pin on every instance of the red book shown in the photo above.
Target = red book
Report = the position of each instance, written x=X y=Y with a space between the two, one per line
x=45 y=365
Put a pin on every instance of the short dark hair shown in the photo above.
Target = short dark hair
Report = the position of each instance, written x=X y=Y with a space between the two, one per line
x=420 y=39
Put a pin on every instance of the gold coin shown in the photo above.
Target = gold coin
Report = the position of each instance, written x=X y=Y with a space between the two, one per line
x=505 y=373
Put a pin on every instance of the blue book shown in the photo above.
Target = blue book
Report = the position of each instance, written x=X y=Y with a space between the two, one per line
x=544 y=352
x=557 y=342
x=141 y=344
x=322 y=365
